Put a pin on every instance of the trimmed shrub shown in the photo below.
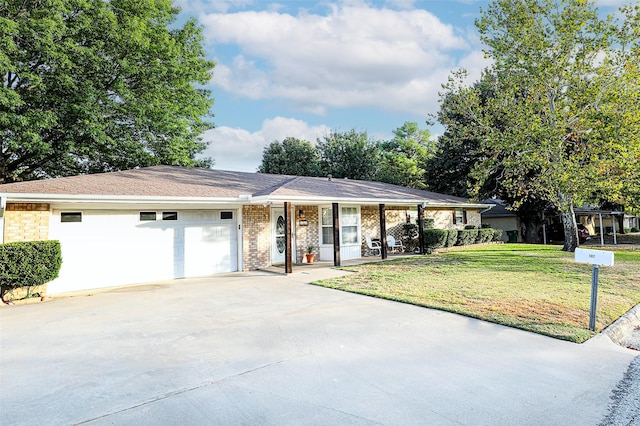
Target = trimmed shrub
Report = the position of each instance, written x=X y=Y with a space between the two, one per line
x=467 y=237
x=470 y=227
x=485 y=235
x=485 y=225
x=435 y=238
x=634 y=229
x=452 y=237
x=429 y=223
x=410 y=236
x=627 y=230
x=29 y=263
x=497 y=235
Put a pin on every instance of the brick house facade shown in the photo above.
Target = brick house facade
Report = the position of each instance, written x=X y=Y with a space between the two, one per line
x=169 y=222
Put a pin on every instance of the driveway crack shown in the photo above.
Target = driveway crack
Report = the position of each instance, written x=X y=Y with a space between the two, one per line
x=182 y=391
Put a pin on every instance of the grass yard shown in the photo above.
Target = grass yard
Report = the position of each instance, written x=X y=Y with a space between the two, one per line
x=533 y=287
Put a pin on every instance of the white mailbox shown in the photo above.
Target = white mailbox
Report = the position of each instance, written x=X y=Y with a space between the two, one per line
x=594 y=257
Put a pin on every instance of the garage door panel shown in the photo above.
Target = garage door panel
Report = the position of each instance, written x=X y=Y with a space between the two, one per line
x=116 y=248
x=210 y=249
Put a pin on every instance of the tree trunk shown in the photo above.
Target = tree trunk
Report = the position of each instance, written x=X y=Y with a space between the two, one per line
x=620 y=223
x=570 y=230
x=534 y=233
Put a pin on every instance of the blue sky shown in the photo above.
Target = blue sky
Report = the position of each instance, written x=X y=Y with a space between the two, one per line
x=302 y=68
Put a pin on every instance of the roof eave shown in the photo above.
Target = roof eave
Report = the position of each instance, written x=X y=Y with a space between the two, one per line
x=242 y=199
x=125 y=199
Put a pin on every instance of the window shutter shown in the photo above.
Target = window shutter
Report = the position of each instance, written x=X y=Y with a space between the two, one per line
x=464 y=215
x=454 y=217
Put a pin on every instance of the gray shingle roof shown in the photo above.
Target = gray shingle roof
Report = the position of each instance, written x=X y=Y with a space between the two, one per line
x=170 y=181
x=499 y=209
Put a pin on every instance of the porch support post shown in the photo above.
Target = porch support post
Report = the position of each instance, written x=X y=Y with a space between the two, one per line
x=383 y=232
x=336 y=234
x=601 y=230
x=613 y=224
x=288 y=264
x=421 y=228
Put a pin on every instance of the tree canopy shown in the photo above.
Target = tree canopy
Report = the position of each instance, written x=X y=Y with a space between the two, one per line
x=290 y=157
x=562 y=124
x=351 y=155
x=403 y=158
x=97 y=85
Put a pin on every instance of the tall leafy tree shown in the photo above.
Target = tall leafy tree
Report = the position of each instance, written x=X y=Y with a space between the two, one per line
x=349 y=155
x=562 y=125
x=98 y=85
x=459 y=150
x=402 y=159
x=290 y=157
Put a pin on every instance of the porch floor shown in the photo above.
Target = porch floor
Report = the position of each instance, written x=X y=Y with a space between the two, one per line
x=279 y=269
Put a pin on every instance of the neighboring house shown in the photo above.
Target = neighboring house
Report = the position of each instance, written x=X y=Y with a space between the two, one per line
x=168 y=222
x=595 y=219
x=631 y=221
x=500 y=217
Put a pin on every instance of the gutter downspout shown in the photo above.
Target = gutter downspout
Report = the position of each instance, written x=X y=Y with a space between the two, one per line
x=3 y=205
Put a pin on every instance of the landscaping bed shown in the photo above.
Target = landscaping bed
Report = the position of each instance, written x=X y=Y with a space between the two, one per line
x=533 y=287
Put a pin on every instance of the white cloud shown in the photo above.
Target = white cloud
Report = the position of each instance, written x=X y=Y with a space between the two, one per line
x=238 y=149
x=355 y=56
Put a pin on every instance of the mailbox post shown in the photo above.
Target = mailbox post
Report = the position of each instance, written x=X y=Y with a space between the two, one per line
x=596 y=258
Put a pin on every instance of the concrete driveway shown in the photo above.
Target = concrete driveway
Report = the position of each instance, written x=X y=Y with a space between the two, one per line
x=259 y=348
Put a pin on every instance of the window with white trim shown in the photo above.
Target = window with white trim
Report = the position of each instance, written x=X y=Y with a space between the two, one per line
x=327 y=225
x=68 y=217
x=349 y=225
x=169 y=215
x=147 y=216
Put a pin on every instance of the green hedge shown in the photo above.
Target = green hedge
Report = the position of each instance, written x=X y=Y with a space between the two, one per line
x=435 y=238
x=29 y=263
x=485 y=235
x=438 y=238
x=467 y=237
x=452 y=237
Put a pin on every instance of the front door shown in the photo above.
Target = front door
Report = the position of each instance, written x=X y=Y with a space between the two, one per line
x=278 y=241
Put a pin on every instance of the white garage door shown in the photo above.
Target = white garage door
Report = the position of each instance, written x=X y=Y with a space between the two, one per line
x=107 y=248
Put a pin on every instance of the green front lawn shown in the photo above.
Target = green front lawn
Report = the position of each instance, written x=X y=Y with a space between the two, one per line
x=532 y=287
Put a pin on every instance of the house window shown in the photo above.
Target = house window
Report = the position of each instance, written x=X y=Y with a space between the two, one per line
x=349 y=225
x=327 y=225
x=460 y=217
x=226 y=215
x=71 y=217
x=169 y=215
x=147 y=216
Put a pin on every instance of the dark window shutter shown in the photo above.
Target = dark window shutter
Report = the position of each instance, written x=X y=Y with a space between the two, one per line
x=454 y=217
x=464 y=214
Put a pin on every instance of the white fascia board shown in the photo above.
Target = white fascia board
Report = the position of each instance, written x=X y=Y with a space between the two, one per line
x=458 y=205
x=365 y=201
x=135 y=199
x=122 y=199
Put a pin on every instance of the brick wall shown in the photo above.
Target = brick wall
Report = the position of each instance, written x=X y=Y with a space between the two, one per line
x=370 y=220
x=306 y=235
x=256 y=237
x=26 y=222
x=474 y=218
x=443 y=219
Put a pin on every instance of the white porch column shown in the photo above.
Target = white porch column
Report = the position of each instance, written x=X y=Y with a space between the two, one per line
x=601 y=230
